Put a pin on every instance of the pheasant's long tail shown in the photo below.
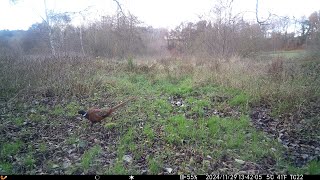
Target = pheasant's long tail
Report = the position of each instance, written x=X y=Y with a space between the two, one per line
x=118 y=106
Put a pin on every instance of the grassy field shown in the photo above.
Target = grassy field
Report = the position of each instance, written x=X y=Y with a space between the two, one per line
x=190 y=117
x=294 y=54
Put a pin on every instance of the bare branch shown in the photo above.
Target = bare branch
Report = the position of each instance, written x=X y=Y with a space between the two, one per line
x=257 y=16
x=119 y=6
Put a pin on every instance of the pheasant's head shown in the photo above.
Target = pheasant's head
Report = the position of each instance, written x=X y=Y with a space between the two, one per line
x=83 y=113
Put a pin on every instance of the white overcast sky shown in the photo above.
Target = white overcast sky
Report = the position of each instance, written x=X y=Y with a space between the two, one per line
x=157 y=13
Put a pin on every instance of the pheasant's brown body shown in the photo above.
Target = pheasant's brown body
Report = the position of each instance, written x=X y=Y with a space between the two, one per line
x=95 y=115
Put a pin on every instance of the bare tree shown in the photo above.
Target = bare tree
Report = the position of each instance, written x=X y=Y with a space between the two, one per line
x=264 y=22
x=82 y=14
x=119 y=12
x=48 y=22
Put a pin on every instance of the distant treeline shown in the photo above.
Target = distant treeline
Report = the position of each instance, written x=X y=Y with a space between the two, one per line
x=125 y=36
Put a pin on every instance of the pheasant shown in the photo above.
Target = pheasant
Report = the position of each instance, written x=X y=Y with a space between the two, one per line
x=95 y=115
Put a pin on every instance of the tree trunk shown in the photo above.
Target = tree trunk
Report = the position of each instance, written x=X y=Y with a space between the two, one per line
x=81 y=42
x=53 y=50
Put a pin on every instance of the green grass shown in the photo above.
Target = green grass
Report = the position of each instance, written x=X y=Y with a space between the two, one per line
x=178 y=129
x=57 y=111
x=148 y=131
x=43 y=147
x=197 y=106
x=127 y=143
x=71 y=109
x=73 y=139
x=287 y=54
x=155 y=165
x=151 y=128
x=282 y=106
x=210 y=135
x=238 y=134
x=182 y=87
x=12 y=148
x=42 y=109
x=110 y=125
x=29 y=161
x=312 y=168
x=130 y=64
x=18 y=121
x=117 y=169
x=6 y=168
x=88 y=157
x=37 y=117
x=162 y=106
x=241 y=100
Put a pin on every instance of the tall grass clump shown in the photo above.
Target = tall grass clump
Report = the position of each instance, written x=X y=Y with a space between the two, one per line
x=65 y=76
x=275 y=81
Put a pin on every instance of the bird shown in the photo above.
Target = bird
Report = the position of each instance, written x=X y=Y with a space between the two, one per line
x=95 y=115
